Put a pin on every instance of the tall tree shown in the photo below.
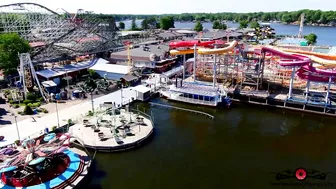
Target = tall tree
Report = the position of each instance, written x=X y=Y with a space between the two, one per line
x=243 y=24
x=121 y=25
x=198 y=26
x=311 y=38
x=11 y=44
x=254 y=24
x=166 y=22
x=134 y=25
x=217 y=25
x=144 y=24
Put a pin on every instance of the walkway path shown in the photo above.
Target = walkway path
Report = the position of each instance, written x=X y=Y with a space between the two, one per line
x=27 y=127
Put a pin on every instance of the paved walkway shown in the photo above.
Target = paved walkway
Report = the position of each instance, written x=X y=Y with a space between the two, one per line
x=28 y=127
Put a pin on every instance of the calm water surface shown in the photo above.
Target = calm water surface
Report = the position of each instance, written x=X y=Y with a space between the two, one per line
x=242 y=148
x=326 y=35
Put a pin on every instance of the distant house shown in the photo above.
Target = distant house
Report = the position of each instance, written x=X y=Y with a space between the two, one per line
x=168 y=36
x=218 y=35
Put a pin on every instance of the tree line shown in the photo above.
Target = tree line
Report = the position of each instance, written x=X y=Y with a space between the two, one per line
x=311 y=16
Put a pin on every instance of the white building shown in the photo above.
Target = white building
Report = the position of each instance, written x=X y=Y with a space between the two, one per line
x=111 y=71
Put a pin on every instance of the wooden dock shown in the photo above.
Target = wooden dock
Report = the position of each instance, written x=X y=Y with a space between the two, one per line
x=183 y=109
x=297 y=103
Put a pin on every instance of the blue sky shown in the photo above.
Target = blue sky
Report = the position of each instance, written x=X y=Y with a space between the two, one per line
x=180 y=6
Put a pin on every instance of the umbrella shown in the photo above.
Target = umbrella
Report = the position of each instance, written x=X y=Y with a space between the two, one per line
x=8 y=169
x=28 y=141
x=65 y=136
x=37 y=161
x=49 y=137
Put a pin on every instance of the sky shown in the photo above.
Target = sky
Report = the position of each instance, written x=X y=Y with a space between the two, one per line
x=180 y=6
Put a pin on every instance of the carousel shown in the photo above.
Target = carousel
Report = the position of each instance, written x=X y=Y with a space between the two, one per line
x=44 y=162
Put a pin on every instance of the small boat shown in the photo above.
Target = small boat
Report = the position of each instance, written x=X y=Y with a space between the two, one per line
x=195 y=93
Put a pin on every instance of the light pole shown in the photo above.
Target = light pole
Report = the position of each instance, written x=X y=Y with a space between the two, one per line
x=17 y=128
x=58 y=123
x=67 y=79
x=121 y=95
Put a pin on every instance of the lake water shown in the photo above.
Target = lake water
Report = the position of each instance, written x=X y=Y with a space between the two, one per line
x=242 y=147
x=326 y=35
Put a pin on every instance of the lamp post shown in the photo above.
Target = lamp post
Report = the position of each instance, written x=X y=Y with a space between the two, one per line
x=58 y=123
x=121 y=95
x=17 y=128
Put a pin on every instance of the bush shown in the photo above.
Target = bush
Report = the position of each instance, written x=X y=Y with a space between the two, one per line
x=7 y=92
x=28 y=110
x=54 y=128
x=32 y=97
x=90 y=113
x=34 y=105
x=41 y=99
x=26 y=102
x=45 y=111
x=16 y=106
x=17 y=142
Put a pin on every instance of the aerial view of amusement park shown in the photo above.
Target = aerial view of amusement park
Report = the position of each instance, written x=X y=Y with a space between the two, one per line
x=104 y=95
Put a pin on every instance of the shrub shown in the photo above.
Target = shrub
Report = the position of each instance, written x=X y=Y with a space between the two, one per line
x=20 y=112
x=34 y=105
x=11 y=101
x=90 y=113
x=45 y=111
x=26 y=102
x=16 y=106
x=17 y=142
x=54 y=128
x=6 y=92
x=41 y=99
x=32 y=97
x=28 y=110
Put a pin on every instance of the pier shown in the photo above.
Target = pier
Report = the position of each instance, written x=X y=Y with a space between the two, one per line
x=296 y=103
x=183 y=109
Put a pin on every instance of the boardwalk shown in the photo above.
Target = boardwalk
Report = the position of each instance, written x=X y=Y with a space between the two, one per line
x=28 y=127
x=183 y=109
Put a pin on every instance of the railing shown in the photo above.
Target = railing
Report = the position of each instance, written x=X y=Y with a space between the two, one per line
x=143 y=114
x=183 y=109
x=195 y=101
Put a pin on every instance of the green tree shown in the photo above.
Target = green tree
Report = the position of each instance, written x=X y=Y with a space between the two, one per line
x=286 y=18
x=134 y=25
x=89 y=86
x=243 y=24
x=166 y=22
x=198 y=26
x=28 y=110
x=121 y=25
x=254 y=24
x=149 y=23
x=311 y=38
x=11 y=44
x=217 y=25
x=144 y=24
